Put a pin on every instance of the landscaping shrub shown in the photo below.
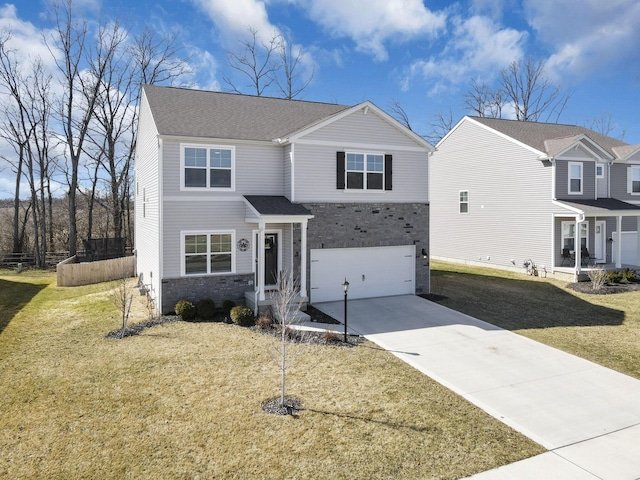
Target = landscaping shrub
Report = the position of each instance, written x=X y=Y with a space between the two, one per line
x=330 y=336
x=242 y=316
x=227 y=305
x=264 y=322
x=186 y=310
x=206 y=309
x=598 y=278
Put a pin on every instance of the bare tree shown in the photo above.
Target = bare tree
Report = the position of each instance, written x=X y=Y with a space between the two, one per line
x=531 y=93
x=122 y=296
x=441 y=124
x=257 y=62
x=604 y=124
x=289 y=76
x=524 y=87
x=72 y=51
x=285 y=308
x=399 y=113
x=483 y=101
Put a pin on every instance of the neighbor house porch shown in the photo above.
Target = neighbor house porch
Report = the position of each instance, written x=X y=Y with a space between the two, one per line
x=596 y=234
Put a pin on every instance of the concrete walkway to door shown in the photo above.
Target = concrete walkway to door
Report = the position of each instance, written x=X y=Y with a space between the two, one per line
x=588 y=416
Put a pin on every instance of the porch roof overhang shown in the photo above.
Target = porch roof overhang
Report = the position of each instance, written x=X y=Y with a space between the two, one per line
x=274 y=209
x=602 y=207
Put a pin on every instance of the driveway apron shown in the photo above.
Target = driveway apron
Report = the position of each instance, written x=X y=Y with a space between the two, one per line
x=588 y=416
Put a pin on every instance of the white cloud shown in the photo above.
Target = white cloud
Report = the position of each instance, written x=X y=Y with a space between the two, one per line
x=593 y=36
x=372 y=24
x=203 y=68
x=233 y=18
x=26 y=39
x=478 y=48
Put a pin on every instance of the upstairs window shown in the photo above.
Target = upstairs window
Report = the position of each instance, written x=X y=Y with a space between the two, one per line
x=464 y=201
x=575 y=178
x=364 y=171
x=633 y=180
x=208 y=167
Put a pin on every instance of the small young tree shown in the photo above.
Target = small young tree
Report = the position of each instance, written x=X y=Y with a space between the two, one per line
x=122 y=297
x=286 y=305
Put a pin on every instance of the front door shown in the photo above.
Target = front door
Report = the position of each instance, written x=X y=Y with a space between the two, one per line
x=600 y=241
x=271 y=259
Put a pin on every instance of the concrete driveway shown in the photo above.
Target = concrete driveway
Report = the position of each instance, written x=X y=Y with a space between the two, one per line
x=588 y=416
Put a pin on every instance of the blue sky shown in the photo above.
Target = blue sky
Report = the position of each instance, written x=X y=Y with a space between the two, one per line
x=422 y=54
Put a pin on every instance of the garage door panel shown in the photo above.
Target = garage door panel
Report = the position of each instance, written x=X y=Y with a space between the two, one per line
x=629 y=248
x=371 y=272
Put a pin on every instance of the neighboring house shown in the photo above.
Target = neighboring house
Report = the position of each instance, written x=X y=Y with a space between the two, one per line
x=503 y=192
x=233 y=190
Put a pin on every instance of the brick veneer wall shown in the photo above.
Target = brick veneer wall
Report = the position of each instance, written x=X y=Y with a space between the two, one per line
x=218 y=288
x=348 y=225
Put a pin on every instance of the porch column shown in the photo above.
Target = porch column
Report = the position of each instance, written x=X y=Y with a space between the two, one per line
x=261 y=227
x=619 y=242
x=303 y=258
x=577 y=247
x=638 y=238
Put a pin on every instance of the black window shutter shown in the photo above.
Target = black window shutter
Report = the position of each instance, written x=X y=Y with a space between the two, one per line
x=388 y=172
x=340 y=170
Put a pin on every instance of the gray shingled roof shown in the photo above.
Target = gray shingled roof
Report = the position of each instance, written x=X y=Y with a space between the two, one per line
x=535 y=134
x=600 y=205
x=197 y=113
x=276 y=205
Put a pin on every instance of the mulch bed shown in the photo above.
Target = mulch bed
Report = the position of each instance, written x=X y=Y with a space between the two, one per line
x=273 y=406
x=606 y=289
x=135 y=329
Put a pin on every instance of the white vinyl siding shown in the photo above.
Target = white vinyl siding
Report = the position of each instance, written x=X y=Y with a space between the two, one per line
x=259 y=170
x=147 y=203
x=360 y=128
x=315 y=177
x=511 y=195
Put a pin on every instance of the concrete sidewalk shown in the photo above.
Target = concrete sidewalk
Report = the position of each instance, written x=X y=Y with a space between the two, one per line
x=588 y=416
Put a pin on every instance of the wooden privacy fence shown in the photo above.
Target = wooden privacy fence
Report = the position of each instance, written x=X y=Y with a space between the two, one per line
x=72 y=274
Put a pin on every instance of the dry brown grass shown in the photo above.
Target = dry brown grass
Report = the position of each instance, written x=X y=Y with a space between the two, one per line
x=182 y=400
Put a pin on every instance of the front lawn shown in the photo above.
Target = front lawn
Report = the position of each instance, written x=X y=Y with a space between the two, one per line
x=602 y=328
x=182 y=400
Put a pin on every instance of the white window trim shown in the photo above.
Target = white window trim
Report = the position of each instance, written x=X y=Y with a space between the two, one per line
x=208 y=147
x=364 y=172
x=460 y=202
x=183 y=267
x=585 y=229
x=630 y=180
x=569 y=178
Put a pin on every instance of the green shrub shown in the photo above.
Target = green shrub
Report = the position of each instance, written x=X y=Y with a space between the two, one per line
x=186 y=310
x=206 y=309
x=242 y=316
x=227 y=305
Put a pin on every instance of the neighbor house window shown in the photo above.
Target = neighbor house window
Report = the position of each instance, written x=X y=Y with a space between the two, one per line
x=365 y=171
x=575 y=177
x=633 y=182
x=569 y=235
x=208 y=167
x=464 y=201
x=207 y=253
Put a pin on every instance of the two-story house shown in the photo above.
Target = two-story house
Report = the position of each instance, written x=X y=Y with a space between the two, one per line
x=233 y=190
x=505 y=192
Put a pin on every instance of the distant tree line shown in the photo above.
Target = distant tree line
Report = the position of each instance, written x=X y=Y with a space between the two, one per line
x=76 y=124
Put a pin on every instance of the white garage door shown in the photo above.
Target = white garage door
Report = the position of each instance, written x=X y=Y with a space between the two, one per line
x=371 y=272
x=629 y=248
